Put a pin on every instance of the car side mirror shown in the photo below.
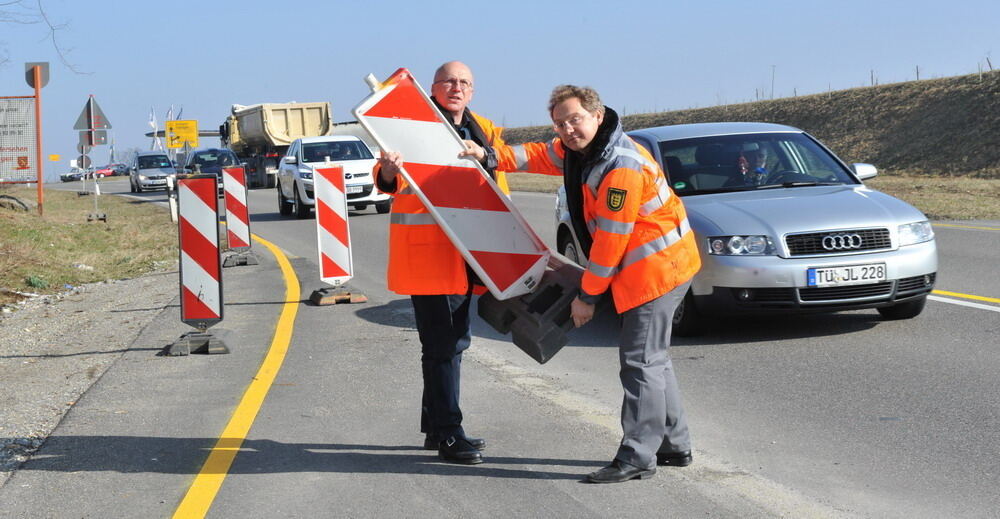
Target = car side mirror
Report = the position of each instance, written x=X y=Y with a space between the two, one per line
x=864 y=171
x=291 y=159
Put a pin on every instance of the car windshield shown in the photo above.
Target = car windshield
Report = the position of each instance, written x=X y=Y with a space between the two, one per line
x=338 y=150
x=153 y=161
x=747 y=162
x=213 y=158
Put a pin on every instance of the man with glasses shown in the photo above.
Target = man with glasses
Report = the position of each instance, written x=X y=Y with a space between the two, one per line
x=426 y=266
x=635 y=232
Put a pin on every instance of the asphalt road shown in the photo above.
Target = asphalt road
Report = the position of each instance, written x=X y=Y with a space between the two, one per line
x=825 y=415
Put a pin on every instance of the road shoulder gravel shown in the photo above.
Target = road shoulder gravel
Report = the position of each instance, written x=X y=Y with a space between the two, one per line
x=54 y=348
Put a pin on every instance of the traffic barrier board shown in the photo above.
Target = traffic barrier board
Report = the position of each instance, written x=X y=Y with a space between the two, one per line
x=332 y=231
x=201 y=266
x=237 y=216
x=478 y=218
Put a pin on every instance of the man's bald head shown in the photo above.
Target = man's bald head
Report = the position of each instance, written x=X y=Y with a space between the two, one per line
x=452 y=88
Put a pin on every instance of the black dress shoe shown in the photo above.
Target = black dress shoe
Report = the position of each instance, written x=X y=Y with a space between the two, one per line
x=431 y=442
x=459 y=450
x=674 y=459
x=619 y=471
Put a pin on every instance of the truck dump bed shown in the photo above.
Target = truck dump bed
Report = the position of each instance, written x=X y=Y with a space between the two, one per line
x=276 y=124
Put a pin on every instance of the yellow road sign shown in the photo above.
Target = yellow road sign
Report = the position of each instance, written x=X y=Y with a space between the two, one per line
x=54 y=158
x=179 y=132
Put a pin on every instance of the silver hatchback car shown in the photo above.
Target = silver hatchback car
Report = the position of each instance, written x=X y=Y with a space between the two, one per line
x=784 y=226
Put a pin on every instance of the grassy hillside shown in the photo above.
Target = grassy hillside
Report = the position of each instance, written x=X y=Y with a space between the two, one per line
x=939 y=127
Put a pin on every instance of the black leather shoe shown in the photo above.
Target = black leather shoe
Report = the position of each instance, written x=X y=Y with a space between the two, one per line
x=431 y=442
x=459 y=450
x=674 y=459
x=619 y=471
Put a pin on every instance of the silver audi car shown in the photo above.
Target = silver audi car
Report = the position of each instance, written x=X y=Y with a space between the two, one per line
x=784 y=226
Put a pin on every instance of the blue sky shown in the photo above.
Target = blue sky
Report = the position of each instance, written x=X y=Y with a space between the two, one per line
x=641 y=56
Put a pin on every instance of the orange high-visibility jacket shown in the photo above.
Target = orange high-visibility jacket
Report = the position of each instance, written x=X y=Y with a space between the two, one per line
x=422 y=260
x=643 y=246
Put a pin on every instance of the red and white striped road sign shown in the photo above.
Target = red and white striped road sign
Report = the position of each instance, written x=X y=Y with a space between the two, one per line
x=332 y=231
x=480 y=220
x=237 y=217
x=201 y=266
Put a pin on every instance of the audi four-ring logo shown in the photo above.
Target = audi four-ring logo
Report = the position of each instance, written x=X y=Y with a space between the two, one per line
x=842 y=241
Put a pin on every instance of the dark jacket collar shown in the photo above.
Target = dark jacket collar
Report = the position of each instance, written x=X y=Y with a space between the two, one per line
x=608 y=134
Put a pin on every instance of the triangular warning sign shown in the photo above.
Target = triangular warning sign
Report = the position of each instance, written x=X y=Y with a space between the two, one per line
x=92 y=117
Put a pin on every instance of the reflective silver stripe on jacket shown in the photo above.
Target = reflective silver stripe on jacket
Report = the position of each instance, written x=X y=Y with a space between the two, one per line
x=636 y=156
x=553 y=156
x=520 y=158
x=591 y=226
x=608 y=225
x=412 y=219
x=658 y=201
x=656 y=245
x=601 y=270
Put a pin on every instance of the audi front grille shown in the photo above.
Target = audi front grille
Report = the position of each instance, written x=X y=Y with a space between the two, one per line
x=838 y=242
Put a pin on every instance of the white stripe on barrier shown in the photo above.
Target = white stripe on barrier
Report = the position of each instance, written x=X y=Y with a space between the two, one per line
x=429 y=143
x=239 y=228
x=489 y=231
x=200 y=283
x=198 y=214
x=233 y=186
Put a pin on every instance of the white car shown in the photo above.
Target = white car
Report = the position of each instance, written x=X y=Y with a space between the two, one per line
x=295 y=174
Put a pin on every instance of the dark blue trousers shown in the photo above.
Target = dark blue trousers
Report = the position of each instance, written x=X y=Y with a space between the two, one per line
x=445 y=332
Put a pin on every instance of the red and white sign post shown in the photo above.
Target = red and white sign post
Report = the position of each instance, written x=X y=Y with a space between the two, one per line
x=237 y=218
x=333 y=236
x=201 y=266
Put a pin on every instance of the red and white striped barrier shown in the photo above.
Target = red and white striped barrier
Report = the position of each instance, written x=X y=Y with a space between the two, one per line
x=201 y=278
x=480 y=220
x=237 y=217
x=333 y=233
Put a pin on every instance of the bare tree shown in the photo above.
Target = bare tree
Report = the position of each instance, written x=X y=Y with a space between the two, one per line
x=23 y=12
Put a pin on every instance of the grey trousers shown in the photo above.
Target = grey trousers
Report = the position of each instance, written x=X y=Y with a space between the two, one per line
x=653 y=418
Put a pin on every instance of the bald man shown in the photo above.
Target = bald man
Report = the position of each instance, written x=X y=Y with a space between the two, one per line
x=424 y=265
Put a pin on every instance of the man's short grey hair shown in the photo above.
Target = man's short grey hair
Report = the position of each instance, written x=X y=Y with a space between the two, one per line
x=589 y=98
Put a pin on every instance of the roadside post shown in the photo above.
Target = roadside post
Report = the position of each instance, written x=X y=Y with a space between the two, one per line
x=96 y=215
x=334 y=238
x=93 y=126
x=237 y=219
x=172 y=196
x=201 y=266
x=530 y=287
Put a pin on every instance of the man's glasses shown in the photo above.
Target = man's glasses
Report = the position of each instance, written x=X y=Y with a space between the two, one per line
x=461 y=84
x=574 y=121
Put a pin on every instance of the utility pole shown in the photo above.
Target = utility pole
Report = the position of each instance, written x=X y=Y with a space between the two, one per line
x=772 y=81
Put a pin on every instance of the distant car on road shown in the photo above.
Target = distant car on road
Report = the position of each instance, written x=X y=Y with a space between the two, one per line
x=104 y=171
x=119 y=169
x=73 y=174
x=149 y=170
x=211 y=160
x=783 y=226
x=295 y=174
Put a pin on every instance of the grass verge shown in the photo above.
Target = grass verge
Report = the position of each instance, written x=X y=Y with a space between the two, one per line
x=45 y=254
x=940 y=198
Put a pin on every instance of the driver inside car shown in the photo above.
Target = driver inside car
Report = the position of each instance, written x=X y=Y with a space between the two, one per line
x=753 y=165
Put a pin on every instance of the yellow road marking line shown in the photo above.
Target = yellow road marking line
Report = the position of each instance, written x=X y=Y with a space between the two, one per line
x=935 y=224
x=207 y=483
x=966 y=296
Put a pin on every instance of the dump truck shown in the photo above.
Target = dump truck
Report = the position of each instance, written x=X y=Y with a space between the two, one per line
x=260 y=134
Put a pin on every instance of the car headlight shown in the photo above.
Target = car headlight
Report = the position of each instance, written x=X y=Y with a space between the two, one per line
x=917 y=232
x=143 y=177
x=305 y=174
x=752 y=245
